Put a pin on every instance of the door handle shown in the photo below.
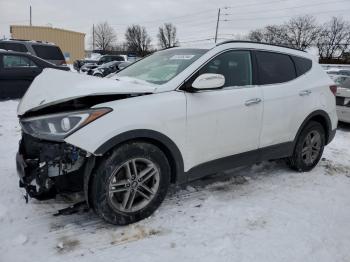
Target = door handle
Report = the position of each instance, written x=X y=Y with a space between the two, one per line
x=252 y=101
x=305 y=92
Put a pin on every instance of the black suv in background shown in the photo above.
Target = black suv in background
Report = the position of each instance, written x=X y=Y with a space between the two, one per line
x=102 y=60
x=18 y=70
x=44 y=50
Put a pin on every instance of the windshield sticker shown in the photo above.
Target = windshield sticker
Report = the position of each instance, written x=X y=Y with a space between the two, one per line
x=181 y=57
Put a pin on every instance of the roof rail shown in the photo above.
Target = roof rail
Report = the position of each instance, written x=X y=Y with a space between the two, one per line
x=27 y=40
x=262 y=43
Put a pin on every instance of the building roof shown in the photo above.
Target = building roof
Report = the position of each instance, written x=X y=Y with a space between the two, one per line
x=45 y=27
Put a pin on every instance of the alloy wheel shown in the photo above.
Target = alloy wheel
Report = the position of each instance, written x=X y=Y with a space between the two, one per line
x=311 y=147
x=133 y=185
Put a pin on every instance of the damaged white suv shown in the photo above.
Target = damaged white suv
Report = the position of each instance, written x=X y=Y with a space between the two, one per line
x=175 y=116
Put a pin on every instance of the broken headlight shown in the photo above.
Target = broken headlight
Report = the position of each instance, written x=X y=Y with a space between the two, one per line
x=58 y=126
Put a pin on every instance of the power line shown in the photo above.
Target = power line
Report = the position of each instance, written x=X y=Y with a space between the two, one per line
x=284 y=16
x=189 y=15
x=294 y=7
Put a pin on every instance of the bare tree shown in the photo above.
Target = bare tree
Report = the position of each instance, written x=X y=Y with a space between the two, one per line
x=104 y=37
x=272 y=34
x=334 y=38
x=301 y=32
x=137 y=39
x=167 y=35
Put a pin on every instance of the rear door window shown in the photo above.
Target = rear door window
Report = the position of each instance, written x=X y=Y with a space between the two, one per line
x=274 y=68
x=14 y=61
x=14 y=47
x=48 y=52
x=302 y=65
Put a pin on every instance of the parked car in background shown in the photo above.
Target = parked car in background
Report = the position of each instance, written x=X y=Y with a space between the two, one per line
x=343 y=98
x=17 y=71
x=172 y=117
x=338 y=71
x=88 y=66
x=108 y=68
x=77 y=65
x=47 y=51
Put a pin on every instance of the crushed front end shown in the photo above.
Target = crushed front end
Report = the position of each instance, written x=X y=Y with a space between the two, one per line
x=46 y=168
x=46 y=164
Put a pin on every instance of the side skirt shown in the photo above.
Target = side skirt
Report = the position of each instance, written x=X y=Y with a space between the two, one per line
x=247 y=158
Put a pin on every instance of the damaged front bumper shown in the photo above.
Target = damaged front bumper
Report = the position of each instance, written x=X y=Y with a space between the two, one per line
x=47 y=168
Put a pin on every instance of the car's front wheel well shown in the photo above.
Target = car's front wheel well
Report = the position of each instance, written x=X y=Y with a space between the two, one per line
x=168 y=153
x=165 y=150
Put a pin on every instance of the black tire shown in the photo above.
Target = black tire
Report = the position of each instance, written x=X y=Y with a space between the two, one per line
x=297 y=161
x=114 y=160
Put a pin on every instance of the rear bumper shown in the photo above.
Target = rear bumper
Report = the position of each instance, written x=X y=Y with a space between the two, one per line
x=343 y=113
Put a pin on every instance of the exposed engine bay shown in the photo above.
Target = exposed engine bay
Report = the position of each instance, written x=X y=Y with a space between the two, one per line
x=48 y=168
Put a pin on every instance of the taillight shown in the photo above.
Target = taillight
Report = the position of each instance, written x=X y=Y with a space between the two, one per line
x=333 y=88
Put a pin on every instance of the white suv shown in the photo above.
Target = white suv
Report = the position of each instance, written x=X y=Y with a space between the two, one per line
x=172 y=117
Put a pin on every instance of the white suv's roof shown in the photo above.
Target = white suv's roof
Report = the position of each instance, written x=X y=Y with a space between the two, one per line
x=250 y=45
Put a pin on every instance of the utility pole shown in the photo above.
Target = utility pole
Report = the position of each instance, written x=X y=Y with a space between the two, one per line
x=30 y=15
x=93 y=37
x=217 y=26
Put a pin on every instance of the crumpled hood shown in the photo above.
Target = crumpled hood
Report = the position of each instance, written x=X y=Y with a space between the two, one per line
x=56 y=86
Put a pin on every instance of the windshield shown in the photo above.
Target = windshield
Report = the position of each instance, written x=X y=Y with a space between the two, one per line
x=162 y=66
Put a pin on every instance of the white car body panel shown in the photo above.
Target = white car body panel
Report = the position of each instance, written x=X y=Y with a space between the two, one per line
x=206 y=125
x=166 y=113
x=343 y=112
x=211 y=125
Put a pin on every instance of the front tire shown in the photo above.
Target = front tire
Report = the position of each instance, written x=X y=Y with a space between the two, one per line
x=309 y=148
x=130 y=183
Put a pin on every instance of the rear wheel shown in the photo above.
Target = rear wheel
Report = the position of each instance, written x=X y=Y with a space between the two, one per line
x=309 y=147
x=130 y=183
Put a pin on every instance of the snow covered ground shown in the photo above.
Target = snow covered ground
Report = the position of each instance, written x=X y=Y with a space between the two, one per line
x=264 y=213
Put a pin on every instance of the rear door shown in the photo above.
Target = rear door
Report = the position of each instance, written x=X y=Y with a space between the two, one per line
x=277 y=76
x=227 y=121
x=16 y=74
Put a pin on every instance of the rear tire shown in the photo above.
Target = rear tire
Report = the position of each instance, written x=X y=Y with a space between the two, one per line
x=309 y=148
x=130 y=183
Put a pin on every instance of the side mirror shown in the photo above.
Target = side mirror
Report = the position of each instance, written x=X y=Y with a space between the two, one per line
x=208 y=81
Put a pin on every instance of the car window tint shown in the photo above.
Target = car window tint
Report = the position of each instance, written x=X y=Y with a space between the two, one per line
x=235 y=66
x=48 y=52
x=12 y=61
x=118 y=58
x=302 y=65
x=14 y=47
x=274 y=68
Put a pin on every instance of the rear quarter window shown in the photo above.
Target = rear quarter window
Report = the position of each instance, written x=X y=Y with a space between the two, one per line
x=302 y=65
x=14 y=47
x=274 y=68
x=48 y=52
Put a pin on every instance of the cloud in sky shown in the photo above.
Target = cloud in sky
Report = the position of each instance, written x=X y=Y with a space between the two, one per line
x=194 y=19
